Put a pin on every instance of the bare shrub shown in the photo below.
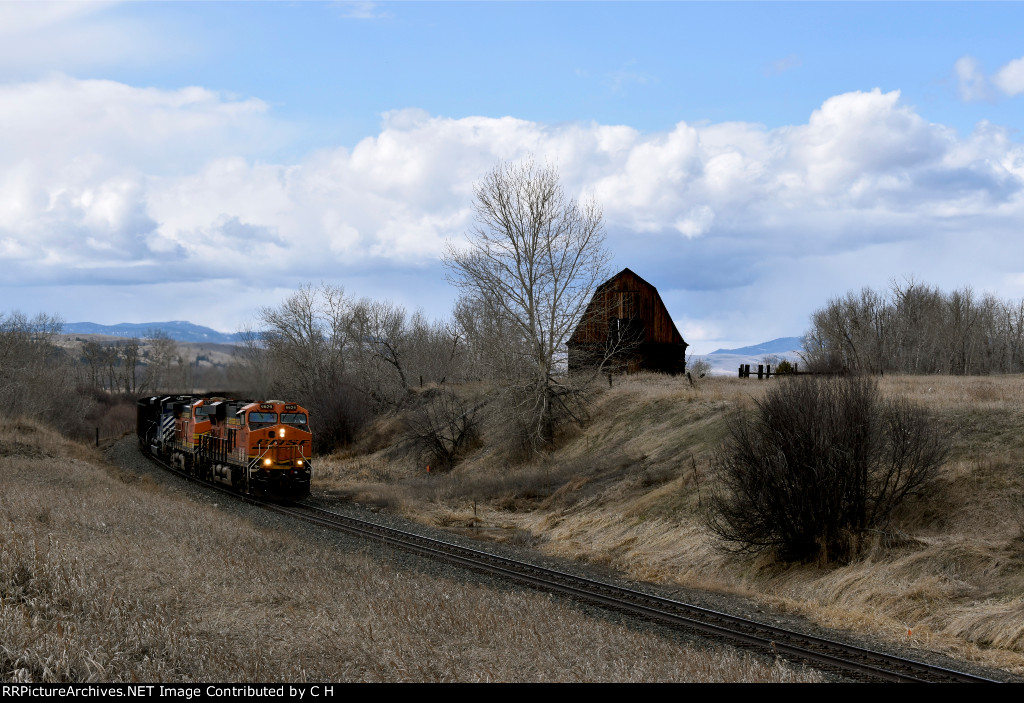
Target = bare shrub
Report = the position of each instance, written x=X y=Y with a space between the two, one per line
x=113 y=414
x=819 y=463
x=338 y=414
x=698 y=367
x=443 y=427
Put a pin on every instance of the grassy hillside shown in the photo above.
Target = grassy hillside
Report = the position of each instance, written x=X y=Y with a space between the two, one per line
x=626 y=492
x=106 y=576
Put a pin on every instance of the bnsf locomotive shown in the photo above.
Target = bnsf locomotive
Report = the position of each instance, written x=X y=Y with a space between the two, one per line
x=259 y=448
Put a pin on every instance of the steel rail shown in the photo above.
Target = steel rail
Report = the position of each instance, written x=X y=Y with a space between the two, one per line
x=832 y=655
x=768 y=638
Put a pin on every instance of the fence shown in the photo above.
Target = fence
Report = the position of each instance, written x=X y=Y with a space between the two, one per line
x=765 y=371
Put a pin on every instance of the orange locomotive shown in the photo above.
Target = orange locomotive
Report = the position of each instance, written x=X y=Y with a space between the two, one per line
x=260 y=448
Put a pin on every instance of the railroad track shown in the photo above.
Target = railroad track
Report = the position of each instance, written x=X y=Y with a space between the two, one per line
x=847 y=660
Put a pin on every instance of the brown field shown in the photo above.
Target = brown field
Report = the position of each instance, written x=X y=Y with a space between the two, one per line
x=108 y=577
x=625 y=492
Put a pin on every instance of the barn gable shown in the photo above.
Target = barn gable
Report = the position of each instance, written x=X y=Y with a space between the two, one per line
x=627 y=327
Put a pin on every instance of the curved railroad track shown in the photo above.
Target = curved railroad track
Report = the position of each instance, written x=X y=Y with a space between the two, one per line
x=837 y=657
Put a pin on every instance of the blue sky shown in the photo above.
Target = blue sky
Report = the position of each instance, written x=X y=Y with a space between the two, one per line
x=200 y=160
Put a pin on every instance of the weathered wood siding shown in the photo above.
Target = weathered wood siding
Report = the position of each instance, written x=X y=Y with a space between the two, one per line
x=628 y=302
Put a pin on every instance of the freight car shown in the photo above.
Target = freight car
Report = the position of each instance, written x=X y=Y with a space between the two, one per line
x=258 y=448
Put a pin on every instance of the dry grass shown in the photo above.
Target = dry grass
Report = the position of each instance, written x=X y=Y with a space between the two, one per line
x=626 y=492
x=104 y=577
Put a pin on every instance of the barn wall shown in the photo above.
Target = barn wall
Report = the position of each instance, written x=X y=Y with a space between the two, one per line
x=628 y=297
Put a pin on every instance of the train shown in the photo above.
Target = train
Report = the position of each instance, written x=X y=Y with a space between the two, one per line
x=259 y=448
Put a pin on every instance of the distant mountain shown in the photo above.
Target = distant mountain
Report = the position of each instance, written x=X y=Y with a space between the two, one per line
x=178 y=330
x=724 y=362
x=776 y=346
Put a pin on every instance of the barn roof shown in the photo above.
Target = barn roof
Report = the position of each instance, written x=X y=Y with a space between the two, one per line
x=659 y=303
x=626 y=310
x=657 y=297
x=623 y=272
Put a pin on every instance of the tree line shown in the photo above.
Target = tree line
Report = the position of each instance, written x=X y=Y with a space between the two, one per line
x=78 y=384
x=916 y=328
x=37 y=376
x=137 y=366
x=346 y=360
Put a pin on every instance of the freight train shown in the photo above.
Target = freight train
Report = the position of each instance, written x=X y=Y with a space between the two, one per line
x=258 y=448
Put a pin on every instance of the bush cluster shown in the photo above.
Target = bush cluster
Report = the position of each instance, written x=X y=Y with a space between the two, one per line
x=818 y=463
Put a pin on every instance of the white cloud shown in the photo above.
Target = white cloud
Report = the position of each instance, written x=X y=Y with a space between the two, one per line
x=102 y=183
x=103 y=121
x=696 y=222
x=974 y=85
x=971 y=81
x=18 y=18
x=41 y=36
x=1010 y=78
x=83 y=158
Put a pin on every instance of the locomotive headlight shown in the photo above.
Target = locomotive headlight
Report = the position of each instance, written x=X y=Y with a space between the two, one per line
x=282 y=432
x=266 y=462
x=299 y=462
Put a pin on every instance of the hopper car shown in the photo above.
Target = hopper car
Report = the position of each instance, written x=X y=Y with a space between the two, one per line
x=260 y=448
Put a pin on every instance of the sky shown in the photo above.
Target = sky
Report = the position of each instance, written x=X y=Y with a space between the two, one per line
x=200 y=160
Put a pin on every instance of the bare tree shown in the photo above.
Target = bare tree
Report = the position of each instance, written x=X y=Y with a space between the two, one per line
x=252 y=369
x=382 y=350
x=130 y=354
x=302 y=353
x=308 y=336
x=435 y=350
x=94 y=355
x=394 y=352
x=917 y=329
x=162 y=352
x=533 y=260
x=37 y=377
x=494 y=348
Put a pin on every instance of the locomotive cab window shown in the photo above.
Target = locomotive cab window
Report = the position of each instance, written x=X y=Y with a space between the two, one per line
x=293 y=418
x=257 y=420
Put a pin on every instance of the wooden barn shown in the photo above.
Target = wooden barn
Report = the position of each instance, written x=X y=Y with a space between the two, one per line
x=627 y=328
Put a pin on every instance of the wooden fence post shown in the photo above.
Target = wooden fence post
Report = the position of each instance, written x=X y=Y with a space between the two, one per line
x=760 y=372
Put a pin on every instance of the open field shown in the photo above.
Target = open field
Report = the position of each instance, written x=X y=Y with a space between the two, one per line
x=108 y=577
x=625 y=492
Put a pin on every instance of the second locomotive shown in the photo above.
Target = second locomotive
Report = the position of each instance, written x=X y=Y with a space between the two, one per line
x=258 y=448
